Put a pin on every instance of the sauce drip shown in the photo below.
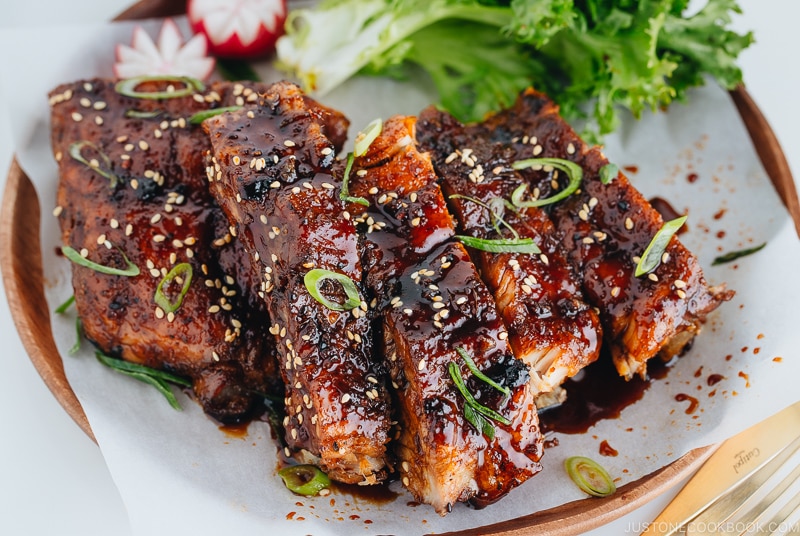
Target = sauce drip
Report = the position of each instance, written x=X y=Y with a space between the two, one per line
x=606 y=449
x=714 y=379
x=693 y=402
x=598 y=392
x=667 y=211
x=692 y=177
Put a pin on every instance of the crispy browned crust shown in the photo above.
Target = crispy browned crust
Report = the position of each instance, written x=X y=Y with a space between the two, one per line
x=158 y=215
x=433 y=301
x=604 y=227
x=272 y=174
x=539 y=296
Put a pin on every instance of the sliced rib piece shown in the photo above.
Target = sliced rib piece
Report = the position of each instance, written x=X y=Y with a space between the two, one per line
x=153 y=206
x=272 y=174
x=551 y=328
x=605 y=227
x=434 y=303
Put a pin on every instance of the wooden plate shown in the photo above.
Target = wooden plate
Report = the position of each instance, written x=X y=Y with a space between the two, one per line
x=21 y=262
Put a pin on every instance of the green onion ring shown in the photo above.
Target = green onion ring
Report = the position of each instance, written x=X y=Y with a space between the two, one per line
x=128 y=87
x=573 y=171
x=589 y=476
x=480 y=375
x=655 y=249
x=75 y=152
x=314 y=279
x=141 y=114
x=131 y=271
x=199 y=117
x=344 y=194
x=365 y=138
x=501 y=245
x=182 y=270
x=305 y=480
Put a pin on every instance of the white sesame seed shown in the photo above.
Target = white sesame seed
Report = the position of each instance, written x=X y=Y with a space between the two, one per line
x=345 y=398
x=652 y=277
x=628 y=224
x=679 y=283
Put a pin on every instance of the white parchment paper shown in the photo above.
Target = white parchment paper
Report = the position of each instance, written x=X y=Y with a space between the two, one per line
x=179 y=474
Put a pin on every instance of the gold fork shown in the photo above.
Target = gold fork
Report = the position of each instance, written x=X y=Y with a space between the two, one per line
x=750 y=485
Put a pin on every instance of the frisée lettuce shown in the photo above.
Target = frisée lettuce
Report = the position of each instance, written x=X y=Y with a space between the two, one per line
x=590 y=56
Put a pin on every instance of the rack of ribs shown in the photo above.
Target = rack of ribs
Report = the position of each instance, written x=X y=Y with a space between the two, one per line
x=132 y=185
x=433 y=309
x=273 y=174
x=551 y=327
x=606 y=228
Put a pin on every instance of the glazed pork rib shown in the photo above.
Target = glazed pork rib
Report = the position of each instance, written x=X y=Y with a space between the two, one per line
x=551 y=328
x=272 y=172
x=134 y=187
x=436 y=310
x=606 y=227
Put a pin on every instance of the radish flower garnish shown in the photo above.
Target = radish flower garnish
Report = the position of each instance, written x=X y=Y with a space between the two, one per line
x=169 y=56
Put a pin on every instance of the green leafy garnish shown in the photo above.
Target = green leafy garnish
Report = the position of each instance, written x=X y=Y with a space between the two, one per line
x=131 y=271
x=589 y=476
x=365 y=138
x=501 y=245
x=733 y=255
x=236 y=70
x=608 y=173
x=199 y=117
x=157 y=378
x=594 y=56
x=75 y=151
x=128 y=87
x=61 y=309
x=316 y=277
x=573 y=171
x=651 y=257
x=478 y=374
x=477 y=413
x=306 y=480
x=344 y=194
x=79 y=336
x=181 y=274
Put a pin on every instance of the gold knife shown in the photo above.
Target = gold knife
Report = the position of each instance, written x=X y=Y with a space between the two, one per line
x=732 y=463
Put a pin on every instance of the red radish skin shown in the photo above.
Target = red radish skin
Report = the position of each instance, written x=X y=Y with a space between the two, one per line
x=238 y=28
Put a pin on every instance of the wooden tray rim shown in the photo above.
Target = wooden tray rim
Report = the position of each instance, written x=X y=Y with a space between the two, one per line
x=21 y=263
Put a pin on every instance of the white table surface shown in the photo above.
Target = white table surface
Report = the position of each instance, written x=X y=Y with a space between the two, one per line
x=53 y=479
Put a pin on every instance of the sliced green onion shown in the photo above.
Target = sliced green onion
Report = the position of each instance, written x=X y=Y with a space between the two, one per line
x=655 y=249
x=305 y=480
x=128 y=87
x=131 y=271
x=733 y=255
x=501 y=245
x=157 y=378
x=199 y=117
x=478 y=374
x=573 y=171
x=608 y=173
x=182 y=271
x=141 y=114
x=61 y=309
x=458 y=380
x=75 y=152
x=236 y=70
x=365 y=138
x=79 y=336
x=589 y=476
x=344 y=194
x=314 y=279
x=479 y=422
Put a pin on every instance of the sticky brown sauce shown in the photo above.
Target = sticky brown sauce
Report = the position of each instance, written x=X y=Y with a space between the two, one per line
x=597 y=392
x=667 y=211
